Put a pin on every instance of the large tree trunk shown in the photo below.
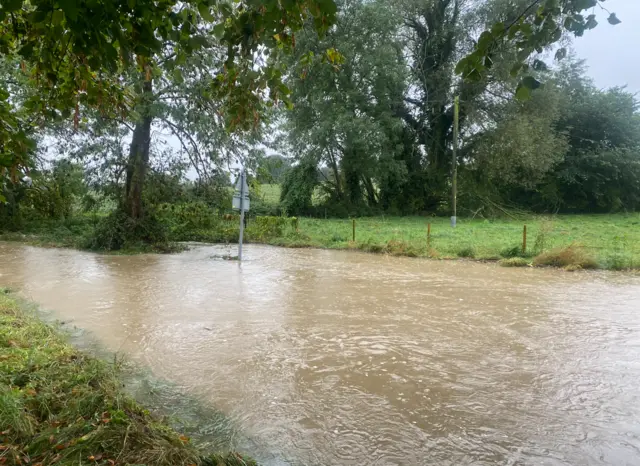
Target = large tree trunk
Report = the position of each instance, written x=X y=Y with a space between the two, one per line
x=371 y=191
x=336 y=174
x=139 y=157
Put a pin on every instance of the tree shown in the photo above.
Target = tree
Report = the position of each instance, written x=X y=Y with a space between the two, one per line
x=342 y=117
x=601 y=170
x=538 y=25
x=76 y=51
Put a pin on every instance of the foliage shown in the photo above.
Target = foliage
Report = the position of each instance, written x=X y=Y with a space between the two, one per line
x=60 y=405
x=119 y=231
x=271 y=169
x=298 y=186
x=264 y=228
x=533 y=26
x=82 y=54
x=572 y=256
x=514 y=262
x=49 y=194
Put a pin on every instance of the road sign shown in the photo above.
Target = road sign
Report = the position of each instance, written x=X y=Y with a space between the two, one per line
x=241 y=193
x=241 y=202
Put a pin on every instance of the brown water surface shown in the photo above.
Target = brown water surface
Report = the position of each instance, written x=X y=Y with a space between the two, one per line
x=327 y=357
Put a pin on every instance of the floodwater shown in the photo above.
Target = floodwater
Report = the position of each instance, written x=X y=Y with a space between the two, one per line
x=327 y=357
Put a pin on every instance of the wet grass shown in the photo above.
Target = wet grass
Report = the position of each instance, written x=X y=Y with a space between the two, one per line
x=60 y=406
x=582 y=241
x=595 y=241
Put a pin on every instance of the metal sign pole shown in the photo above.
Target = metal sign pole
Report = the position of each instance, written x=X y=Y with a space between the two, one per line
x=242 y=193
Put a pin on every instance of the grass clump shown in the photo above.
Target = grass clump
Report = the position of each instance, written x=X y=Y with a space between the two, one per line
x=572 y=257
x=514 y=262
x=60 y=406
x=466 y=252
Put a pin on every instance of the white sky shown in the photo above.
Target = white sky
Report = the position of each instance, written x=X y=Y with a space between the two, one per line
x=613 y=52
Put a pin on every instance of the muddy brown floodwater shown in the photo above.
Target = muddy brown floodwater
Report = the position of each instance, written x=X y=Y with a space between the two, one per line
x=327 y=357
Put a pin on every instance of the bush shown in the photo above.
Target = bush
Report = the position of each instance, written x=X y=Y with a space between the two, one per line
x=187 y=221
x=119 y=231
x=467 y=252
x=402 y=248
x=514 y=251
x=572 y=256
x=619 y=261
x=514 y=262
x=263 y=228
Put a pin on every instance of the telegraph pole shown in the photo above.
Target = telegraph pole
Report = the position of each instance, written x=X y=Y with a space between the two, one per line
x=242 y=194
x=454 y=165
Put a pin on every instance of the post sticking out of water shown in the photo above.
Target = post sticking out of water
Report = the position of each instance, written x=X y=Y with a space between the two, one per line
x=524 y=240
x=242 y=194
x=454 y=164
x=428 y=237
x=354 y=229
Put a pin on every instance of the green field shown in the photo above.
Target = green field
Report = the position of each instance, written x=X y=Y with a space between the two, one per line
x=605 y=241
x=270 y=193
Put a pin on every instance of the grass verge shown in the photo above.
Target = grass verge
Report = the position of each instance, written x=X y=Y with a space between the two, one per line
x=61 y=406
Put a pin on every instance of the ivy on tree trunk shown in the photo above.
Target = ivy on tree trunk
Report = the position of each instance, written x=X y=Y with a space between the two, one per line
x=139 y=156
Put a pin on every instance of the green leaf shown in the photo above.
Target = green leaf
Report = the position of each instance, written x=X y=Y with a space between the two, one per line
x=591 y=22
x=539 y=65
x=70 y=8
x=26 y=50
x=205 y=12
x=218 y=30
x=461 y=66
x=11 y=5
x=197 y=42
x=57 y=17
x=530 y=82
x=177 y=76
x=485 y=40
x=613 y=19
x=561 y=53
x=516 y=69
x=523 y=93
x=498 y=29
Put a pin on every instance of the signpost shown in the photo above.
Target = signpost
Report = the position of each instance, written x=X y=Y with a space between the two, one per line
x=241 y=203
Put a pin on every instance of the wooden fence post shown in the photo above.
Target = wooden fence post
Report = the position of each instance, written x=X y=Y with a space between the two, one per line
x=524 y=240
x=354 y=230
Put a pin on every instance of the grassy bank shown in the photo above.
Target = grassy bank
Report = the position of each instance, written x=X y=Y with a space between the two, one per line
x=61 y=406
x=585 y=241
x=571 y=241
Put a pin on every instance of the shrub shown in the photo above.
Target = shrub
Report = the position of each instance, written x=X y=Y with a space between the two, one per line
x=514 y=251
x=570 y=256
x=467 y=252
x=263 y=228
x=401 y=248
x=514 y=262
x=118 y=231
x=619 y=261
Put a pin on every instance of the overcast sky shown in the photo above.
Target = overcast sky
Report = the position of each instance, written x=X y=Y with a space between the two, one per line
x=613 y=52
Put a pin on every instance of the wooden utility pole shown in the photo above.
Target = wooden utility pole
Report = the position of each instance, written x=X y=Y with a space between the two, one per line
x=454 y=165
